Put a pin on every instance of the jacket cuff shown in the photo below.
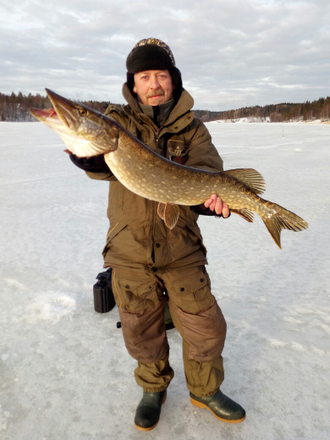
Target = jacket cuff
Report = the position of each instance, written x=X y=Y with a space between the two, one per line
x=201 y=210
x=95 y=164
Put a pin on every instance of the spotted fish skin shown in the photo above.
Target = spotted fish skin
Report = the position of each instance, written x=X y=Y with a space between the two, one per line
x=87 y=132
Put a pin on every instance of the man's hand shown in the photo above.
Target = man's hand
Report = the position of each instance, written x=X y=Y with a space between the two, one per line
x=214 y=203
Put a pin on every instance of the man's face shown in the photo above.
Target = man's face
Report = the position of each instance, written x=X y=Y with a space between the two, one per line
x=153 y=87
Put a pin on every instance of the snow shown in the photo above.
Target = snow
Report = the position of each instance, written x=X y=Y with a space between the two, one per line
x=65 y=373
x=250 y=119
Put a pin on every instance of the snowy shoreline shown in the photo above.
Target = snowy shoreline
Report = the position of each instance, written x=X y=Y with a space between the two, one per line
x=266 y=121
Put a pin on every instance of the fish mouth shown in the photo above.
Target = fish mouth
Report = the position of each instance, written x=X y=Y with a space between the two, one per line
x=43 y=114
x=66 y=110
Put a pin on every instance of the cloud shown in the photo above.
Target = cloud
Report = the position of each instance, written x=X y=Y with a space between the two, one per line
x=231 y=54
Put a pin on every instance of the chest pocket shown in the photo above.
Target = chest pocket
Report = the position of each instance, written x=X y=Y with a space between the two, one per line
x=177 y=150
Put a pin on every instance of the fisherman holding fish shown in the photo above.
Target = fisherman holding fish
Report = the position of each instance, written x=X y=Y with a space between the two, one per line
x=149 y=259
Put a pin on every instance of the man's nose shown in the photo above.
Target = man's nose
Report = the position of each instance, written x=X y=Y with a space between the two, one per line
x=154 y=83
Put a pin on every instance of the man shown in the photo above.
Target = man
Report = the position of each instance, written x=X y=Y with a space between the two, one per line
x=149 y=259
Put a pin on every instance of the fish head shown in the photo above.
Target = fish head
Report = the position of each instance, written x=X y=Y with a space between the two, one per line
x=85 y=131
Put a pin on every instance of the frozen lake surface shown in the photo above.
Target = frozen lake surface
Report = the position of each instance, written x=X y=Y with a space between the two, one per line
x=65 y=373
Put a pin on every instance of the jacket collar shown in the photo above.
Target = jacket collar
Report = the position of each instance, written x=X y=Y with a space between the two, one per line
x=158 y=113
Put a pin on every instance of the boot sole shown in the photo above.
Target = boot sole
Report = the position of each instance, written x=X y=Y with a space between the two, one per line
x=140 y=428
x=202 y=406
x=145 y=429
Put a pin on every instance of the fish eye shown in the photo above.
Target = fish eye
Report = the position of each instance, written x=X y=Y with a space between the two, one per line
x=82 y=112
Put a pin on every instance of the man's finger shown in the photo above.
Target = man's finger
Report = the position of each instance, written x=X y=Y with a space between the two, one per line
x=225 y=210
x=218 y=205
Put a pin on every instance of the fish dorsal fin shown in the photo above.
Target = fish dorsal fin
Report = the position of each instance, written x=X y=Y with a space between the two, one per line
x=250 y=177
x=169 y=213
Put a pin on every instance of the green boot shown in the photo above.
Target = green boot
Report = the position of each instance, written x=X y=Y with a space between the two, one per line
x=222 y=407
x=148 y=411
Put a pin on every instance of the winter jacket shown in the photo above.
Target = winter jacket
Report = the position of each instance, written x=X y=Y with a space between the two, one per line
x=137 y=235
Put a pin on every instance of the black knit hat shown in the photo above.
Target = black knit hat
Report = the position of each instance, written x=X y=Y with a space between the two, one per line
x=152 y=54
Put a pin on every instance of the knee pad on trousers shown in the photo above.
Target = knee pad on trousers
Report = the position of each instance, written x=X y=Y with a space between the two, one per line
x=205 y=332
x=145 y=334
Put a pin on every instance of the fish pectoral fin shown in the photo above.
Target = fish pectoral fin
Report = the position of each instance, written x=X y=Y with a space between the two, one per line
x=250 y=177
x=169 y=213
x=161 y=210
x=245 y=213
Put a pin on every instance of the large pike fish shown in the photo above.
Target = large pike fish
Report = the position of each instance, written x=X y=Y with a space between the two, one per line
x=86 y=132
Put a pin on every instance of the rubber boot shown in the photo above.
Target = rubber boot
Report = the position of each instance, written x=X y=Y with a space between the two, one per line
x=221 y=406
x=148 y=411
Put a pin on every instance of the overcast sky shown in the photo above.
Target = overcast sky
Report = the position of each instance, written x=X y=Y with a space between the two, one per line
x=231 y=53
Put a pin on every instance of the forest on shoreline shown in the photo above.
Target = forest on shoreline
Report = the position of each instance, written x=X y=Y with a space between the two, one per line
x=15 y=107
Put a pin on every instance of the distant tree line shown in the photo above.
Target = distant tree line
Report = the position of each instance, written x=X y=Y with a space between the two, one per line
x=286 y=112
x=15 y=107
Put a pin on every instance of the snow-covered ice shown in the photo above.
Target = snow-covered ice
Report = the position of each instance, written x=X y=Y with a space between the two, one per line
x=65 y=373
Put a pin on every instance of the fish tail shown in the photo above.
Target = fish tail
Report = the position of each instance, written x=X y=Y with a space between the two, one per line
x=279 y=218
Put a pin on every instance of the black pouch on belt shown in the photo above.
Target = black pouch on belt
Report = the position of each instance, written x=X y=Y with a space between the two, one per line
x=104 y=300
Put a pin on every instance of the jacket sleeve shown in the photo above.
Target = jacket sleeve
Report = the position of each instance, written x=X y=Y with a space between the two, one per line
x=202 y=152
